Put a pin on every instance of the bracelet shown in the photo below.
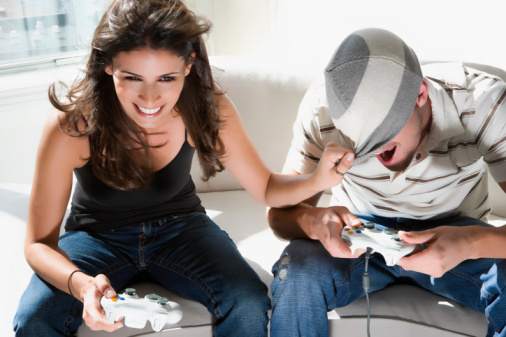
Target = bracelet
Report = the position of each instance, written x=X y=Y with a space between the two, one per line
x=70 y=276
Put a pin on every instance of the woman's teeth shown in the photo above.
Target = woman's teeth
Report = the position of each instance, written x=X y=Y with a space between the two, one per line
x=149 y=111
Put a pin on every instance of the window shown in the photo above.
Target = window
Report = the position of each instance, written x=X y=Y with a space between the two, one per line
x=38 y=31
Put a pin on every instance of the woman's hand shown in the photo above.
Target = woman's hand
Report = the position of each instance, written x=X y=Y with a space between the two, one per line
x=335 y=161
x=93 y=313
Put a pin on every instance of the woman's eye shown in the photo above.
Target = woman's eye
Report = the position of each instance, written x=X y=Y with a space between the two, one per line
x=132 y=78
x=167 y=79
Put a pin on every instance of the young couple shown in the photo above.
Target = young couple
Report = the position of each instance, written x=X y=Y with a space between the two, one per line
x=128 y=131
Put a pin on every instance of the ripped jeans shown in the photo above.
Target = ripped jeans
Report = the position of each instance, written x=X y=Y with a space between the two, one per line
x=309 y=282
x=189 y=255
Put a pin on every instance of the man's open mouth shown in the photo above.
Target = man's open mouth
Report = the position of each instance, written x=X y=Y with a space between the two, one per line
x=386 y=156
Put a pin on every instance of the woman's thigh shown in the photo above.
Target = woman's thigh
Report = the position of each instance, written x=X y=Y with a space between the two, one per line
x=202 y=263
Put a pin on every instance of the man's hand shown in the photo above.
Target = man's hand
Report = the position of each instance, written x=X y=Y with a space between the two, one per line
x=93 y=314
x=326 y=225
x=447 y=247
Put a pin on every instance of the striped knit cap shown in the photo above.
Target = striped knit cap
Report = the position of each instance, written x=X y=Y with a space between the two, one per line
x=372 y=84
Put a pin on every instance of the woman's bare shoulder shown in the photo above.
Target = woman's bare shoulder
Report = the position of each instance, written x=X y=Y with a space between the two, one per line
x=63 y=142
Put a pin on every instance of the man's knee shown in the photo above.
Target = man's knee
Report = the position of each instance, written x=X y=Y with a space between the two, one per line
x=303 y=258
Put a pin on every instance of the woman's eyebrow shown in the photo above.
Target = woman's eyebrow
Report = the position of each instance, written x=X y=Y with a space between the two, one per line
x=137 y=75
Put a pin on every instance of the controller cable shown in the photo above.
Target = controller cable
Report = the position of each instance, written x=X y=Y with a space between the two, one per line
x=366 y=284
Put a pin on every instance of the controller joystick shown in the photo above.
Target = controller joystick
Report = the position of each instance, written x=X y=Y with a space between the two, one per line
x=387 y=242
x=137 y=311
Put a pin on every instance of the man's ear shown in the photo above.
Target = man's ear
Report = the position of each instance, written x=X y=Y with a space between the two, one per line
x=423 y=94
x=189 y=63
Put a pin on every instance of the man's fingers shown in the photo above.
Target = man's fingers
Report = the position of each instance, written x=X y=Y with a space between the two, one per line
x=351 y=219
x=416 y=237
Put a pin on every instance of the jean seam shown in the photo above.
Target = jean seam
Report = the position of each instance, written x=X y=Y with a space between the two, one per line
x=71 y=313
x=490 y=320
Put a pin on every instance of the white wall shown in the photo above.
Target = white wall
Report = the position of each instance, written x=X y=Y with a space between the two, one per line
x=303 y=32
x=309 y=31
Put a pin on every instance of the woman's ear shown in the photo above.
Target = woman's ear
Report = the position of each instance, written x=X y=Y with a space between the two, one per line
x=423 y=94
x=108 y=69
x=189 y=63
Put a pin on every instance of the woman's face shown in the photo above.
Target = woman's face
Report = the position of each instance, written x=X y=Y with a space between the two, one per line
x=148 y=84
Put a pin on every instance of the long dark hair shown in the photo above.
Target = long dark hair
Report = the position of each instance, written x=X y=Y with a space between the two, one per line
x=128 y=25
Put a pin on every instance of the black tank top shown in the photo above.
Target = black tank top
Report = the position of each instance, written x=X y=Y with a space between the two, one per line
x=98 y=207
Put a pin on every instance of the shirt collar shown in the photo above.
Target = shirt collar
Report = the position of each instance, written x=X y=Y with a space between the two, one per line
x=445 y=115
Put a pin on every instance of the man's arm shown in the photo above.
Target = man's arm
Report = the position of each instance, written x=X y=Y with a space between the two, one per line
x=286 y=223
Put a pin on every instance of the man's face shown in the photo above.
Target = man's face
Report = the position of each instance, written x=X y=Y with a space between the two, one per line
x=398 y=154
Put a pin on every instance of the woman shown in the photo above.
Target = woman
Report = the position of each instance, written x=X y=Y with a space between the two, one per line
x=128 y=131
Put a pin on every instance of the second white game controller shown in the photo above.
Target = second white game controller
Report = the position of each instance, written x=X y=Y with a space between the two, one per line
x=386 y=242
x=137 y=311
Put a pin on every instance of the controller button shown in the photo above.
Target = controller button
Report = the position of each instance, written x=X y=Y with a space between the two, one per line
x=347 y=229
x=358 y=231
x=163 y=300
x=114 y=299
x=369 y=225
x=130 y=291
x=121 y=298
x=152 y=297
x=351 y=232
x=389 y=231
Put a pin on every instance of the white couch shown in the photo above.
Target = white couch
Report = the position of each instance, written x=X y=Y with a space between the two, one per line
x=267 y=95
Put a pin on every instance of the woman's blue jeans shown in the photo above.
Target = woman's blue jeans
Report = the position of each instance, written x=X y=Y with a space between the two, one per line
x=189 y=255
x=308 y=282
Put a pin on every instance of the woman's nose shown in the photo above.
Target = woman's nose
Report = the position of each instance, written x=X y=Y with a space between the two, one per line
x=150 y=94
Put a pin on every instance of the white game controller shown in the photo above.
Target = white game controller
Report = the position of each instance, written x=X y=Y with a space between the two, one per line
x=387 y=242
x=137 y=311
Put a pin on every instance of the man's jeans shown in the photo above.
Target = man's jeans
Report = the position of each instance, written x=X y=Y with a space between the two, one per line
x=308 y=282
x=190 y=255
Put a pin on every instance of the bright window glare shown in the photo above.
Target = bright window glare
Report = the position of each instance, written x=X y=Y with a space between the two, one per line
x=31 y=30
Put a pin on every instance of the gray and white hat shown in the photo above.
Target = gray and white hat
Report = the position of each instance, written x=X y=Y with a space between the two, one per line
x=372 y=84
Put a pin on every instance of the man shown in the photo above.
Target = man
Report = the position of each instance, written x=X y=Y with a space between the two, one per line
x=416 y=150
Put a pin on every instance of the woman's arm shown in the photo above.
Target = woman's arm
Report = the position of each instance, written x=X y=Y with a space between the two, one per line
x=52 y=184
x=276 y=190
x=57 y=156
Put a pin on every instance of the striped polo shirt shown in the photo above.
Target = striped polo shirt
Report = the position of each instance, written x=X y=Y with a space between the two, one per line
x=447 y=176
